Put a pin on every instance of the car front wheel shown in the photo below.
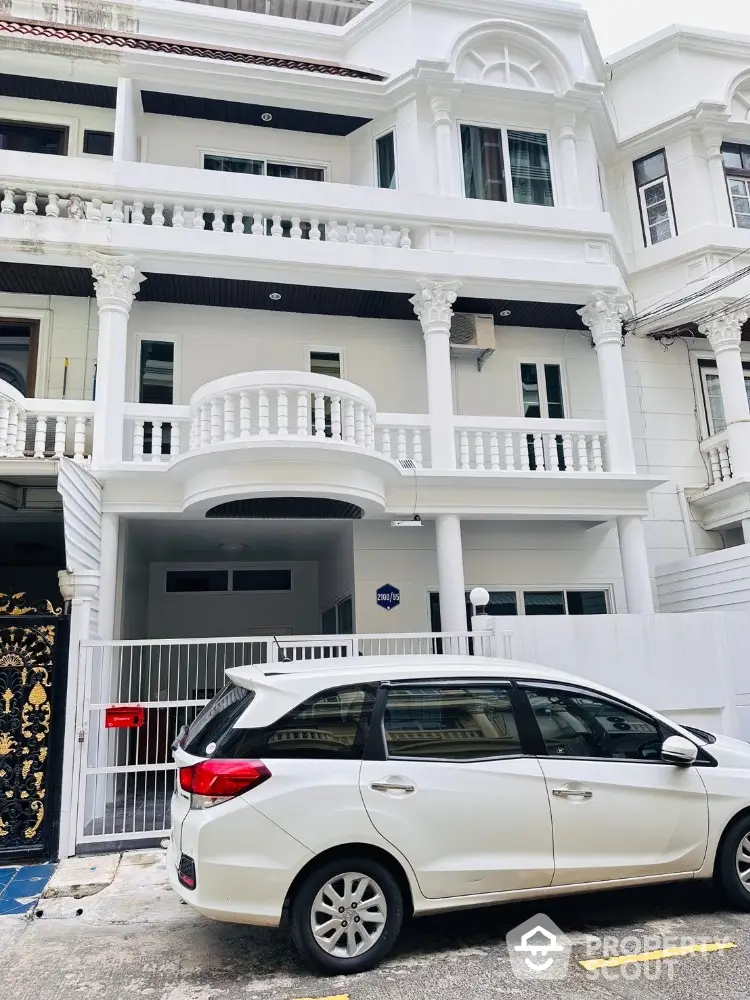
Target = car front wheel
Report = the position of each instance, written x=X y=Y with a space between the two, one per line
x=733 y=863
x=346 y=915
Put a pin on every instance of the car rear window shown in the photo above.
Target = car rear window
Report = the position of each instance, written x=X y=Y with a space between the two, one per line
x=213 y=722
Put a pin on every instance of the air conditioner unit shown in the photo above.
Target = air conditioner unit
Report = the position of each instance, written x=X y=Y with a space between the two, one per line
x=472 y=336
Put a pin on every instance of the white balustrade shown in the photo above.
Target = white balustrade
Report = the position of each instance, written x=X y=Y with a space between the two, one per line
x=540 y=446
x=43 y=428
x=715 y=451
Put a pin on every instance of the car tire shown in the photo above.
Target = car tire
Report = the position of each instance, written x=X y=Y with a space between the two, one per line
x=332 y=890
x=733 y=862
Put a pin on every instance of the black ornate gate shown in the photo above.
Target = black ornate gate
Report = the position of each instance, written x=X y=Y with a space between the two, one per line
x=33 y=665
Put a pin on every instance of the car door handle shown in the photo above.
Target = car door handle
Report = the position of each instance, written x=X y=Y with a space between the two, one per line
x=392 y=786
x=573 y=793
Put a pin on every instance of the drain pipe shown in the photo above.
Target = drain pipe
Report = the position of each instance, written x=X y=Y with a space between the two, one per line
x=685 y=513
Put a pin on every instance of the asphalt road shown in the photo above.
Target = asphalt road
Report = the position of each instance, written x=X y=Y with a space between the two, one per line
x=159 y=949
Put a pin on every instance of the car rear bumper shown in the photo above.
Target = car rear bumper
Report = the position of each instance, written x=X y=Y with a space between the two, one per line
x=244 y=864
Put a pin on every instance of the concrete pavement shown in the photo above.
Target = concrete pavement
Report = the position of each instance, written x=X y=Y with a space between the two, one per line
x=135 y=939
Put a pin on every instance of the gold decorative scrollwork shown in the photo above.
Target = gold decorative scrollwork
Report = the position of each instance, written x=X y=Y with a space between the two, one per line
x=21 y=604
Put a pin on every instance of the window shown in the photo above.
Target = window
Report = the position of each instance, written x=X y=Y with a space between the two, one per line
x=339 y=619
x=156 y=373
x=713 y=399
x=490 y=155
x=737 y=169
x=262 y=579
x=655 y=198
x=237 y=165
x=200 y=581
x=542 y=396
x=98 y=143
x=504 y=603
x=23 y=137
x=331 y=725
x=325 y=363
x=578 y=724
x=18 y=353
x=385 y=154
x=451 y=722
x=217 y=717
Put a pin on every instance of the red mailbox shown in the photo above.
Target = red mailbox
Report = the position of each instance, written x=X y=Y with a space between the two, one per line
x=124 y=717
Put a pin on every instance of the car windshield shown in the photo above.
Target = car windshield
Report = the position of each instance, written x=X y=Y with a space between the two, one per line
x=215 y=719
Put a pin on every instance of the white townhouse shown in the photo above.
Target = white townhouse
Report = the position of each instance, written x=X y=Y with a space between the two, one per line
x=316 y=314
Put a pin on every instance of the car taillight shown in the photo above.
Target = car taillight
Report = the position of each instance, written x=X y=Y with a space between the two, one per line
x=214 y=781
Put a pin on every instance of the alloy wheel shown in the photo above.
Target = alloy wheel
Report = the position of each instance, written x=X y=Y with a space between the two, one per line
x=349 y=915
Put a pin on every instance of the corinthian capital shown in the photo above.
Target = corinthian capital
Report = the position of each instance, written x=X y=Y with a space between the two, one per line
x=603 y=315
x=433 y=303
x=724 y=331
x=116 y=280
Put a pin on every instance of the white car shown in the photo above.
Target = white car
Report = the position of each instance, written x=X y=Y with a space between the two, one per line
x=348 y=794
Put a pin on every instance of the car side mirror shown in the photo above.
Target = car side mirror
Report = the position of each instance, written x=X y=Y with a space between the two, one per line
x=678 y=750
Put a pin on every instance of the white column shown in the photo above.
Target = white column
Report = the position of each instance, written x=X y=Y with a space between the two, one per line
x=603 y=315
x=446 y=147
x=724 y=333
x=450 y=560
x=715 y=161
x=635 y=571
x=116 y=280
x=127 y=120
x=433 y=305
x=568 y=160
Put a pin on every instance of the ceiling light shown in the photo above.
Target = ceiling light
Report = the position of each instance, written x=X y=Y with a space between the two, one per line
x=505 y=313
x=231 y=546
x=266 y=117
x=275 y=296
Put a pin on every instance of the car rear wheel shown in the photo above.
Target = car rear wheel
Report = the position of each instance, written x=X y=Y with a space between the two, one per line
x=733 y=863
x=346 y=915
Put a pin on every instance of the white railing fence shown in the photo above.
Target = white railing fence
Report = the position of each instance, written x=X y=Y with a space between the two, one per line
x=44 y=428
x=529 y=445
x=715 y=451
x=126 y=776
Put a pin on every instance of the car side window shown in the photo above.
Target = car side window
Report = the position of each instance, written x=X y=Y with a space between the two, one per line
x=331 y=725
x=450 y=722
x=578 y=724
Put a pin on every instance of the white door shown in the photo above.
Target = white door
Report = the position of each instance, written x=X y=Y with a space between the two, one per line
x=455 y=793
x=618 y=810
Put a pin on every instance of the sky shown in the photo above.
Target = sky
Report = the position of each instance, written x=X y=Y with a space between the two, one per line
x=619 y=23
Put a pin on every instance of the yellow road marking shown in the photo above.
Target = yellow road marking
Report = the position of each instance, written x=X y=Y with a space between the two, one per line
x=655 y=956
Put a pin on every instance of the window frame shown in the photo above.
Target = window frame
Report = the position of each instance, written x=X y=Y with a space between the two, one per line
x=310 y=349
x=376 y=744
x=376 y=174
x=745 y=179
x=229 y=569
x=164 y=338
x=503 y=130
x=72 y=144
x=543 y=402
x=97 y=131
x=641 y=188
x=607 y=589
x=523 y=684
x=281 y=161
x=706 y=364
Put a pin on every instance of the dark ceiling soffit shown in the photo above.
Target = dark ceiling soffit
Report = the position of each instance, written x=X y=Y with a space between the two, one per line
x=34 y=88
x=291 y=119
x=110 y=39
x=317 y=508
x=231 y=293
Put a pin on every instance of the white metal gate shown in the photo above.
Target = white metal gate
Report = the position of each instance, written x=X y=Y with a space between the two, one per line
x=125 y=777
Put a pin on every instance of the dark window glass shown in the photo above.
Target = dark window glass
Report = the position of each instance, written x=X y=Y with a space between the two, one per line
x=262 y=579
x=482 y=152
x=233 y=164
x=322 y=363
x=532 y=406
x=544 y=603
x=529 y=168
x=736 y=157
x=386 y=156
x=15 y=350
x=199 y=581
x=294 y=172
x=23 y=137
x=328 y=622
x=587 y=602
x=581 y=725
x=451 y=722
x=502 y=604
x=217 y=717
x=157 y=372
x=100 y=143
x=329 y=725
x=553 y=385
x=345 y=610
x=650 y=168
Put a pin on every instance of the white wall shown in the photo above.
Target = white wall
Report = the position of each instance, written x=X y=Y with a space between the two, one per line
x=336 y=570
x=75 y=117
x=194 y=616
x=713 y=580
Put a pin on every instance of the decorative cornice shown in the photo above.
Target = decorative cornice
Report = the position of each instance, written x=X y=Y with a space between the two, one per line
x=117 y=40
x=433 y=304
x=603 y=315
x=116 y=280
x=725 y=331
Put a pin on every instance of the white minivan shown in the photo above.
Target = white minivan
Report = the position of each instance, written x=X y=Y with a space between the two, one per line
x=347 y=794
